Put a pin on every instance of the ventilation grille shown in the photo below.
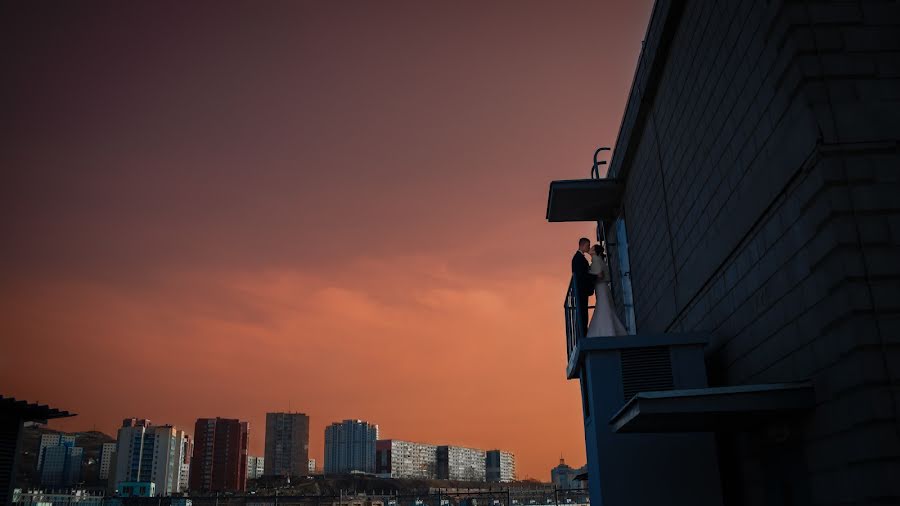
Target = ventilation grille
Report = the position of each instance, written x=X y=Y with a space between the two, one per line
x=645 y=370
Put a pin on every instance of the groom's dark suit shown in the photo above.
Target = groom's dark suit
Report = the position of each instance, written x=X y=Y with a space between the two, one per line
x=584 y=281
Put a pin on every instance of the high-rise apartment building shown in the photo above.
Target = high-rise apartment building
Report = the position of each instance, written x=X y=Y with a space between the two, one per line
x=53 y=439
x=148 y=453
x=287 y=444
x=255 y=467
x=187 y=450
x=61 y=466
x=405 y=459
x=459 y=463
x=500 y=466
x=350 y=447
x=219 y=462
x=107 y=456
x=311 y=466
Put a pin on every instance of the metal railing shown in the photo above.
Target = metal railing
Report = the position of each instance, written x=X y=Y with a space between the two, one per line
x=574 y=324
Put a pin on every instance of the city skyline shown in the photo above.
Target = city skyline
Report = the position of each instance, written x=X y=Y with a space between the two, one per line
x=334 y=208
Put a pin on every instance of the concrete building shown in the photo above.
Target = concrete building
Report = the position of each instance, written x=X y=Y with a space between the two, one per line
x=148 y=453
x=187 y=451
x=460 y=463
x=405 y=459
x=53 y=439
x=350 y=447
x=255 y=467
x=61 y=466
x=311 y=466
x=563 y=476
x=107 y=459
x=219 y=462
x=287 y=444
x=750 y=213
x=500 y=466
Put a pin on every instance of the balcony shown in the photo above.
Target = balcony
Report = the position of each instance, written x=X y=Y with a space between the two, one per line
x=648 y=408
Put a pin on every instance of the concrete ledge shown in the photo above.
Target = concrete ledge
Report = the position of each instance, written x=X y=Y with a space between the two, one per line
x=593 y=344
x=720 y=409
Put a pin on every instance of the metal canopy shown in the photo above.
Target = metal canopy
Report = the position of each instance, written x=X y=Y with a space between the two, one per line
x=27 y=411
x=720 y=409
x=584 y=200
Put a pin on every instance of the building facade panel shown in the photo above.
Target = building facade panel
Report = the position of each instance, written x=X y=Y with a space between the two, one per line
x=759 y=154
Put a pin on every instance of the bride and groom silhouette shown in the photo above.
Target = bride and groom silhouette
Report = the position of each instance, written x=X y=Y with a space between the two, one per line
x=593 y=278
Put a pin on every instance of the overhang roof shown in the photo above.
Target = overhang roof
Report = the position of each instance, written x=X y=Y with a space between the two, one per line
x=584 y=200
x=31 y=412
x=717 y=409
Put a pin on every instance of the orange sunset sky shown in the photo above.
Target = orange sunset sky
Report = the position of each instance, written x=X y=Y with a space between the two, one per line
x=224 y=209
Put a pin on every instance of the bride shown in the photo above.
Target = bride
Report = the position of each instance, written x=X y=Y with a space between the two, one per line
x=604 y=321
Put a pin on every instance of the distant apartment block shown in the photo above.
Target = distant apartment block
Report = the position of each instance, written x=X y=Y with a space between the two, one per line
x=459 y=463
x=287 y=444
x=107 y=456
x=184 y=476
x=187 y=451
x=53 y=439
x=350 y=447
x=500 y=466
x=255 y=467
x=405 y=459
x=153 y=454
x=219 y=462
x=61 y=466
x=311 y=466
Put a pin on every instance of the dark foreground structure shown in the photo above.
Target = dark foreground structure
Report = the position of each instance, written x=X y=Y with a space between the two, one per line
x=13 y=414
x=752 y=215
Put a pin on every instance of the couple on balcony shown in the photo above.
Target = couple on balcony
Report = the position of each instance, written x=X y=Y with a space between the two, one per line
x=593 y=277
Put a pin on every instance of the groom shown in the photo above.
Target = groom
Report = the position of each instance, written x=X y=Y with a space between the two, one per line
x=584 y=281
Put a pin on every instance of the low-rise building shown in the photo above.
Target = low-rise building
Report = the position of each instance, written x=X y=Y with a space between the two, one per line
x=64 y=497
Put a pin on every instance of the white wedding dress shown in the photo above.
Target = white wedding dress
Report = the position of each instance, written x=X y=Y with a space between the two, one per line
x=604 y=321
